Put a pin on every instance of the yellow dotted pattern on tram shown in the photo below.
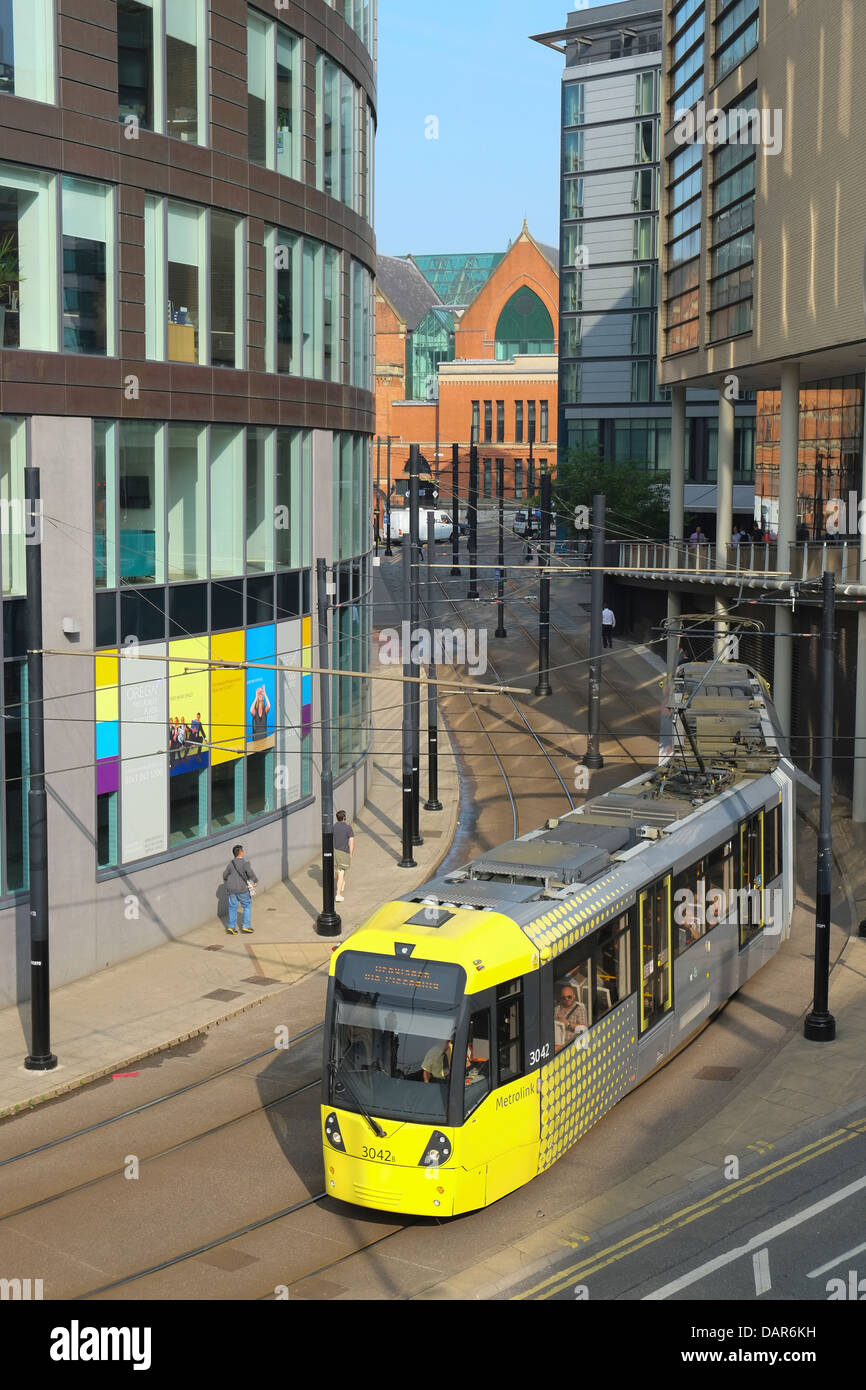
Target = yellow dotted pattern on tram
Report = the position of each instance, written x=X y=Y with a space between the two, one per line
x=563 y=925
x=581 y=1083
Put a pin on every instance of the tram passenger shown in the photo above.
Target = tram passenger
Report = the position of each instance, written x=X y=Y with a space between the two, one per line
x=437 y=1062
x=569 y=1016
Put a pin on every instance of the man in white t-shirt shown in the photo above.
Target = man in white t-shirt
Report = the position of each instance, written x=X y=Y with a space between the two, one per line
x=608 y=623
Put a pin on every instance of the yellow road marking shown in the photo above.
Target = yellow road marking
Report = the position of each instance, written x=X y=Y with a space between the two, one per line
x=639 y=1239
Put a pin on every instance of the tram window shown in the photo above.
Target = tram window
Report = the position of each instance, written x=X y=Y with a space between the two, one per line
x=720 y=883
x=572 y=996
x=477 y=1061
x=611 y=967
x=772 y=843
x=690 y=906
x=509 y=1030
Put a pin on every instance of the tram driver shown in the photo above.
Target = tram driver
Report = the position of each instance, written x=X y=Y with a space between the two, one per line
x=569 y=1016
x=437 y=1062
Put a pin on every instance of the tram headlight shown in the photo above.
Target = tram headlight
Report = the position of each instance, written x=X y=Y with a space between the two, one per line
x=438 y=1151
x=332 y=1133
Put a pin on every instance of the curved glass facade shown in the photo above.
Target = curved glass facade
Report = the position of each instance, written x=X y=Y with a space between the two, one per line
x=179 y=471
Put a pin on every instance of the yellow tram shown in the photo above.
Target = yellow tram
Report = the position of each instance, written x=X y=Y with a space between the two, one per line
x=478 y=1028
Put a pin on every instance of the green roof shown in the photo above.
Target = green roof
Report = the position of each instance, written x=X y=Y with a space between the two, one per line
x=458 y=278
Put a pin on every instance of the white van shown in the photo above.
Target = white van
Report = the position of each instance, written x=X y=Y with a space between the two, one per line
x=442 y=525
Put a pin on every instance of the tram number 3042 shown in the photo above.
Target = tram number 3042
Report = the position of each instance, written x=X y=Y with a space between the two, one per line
x=540 y=1054
x=383 y=1155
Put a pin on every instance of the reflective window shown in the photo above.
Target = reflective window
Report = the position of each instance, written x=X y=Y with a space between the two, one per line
x=27 y=49
x=509 y=1030
x=343 y=135
x=141 y=503
x=477 y=1064
x=161 y=67
x=261 y=79
x=573 y=113
x=362 y=355
x=135 y=50
x=187 y=502
x=260 y=500
x=227 y=500
x=183 y=79
x=104 y=511
x=28 y=278
x=294 y=449
x=184 y=282
x=288 y=103
x=187 y=806
x=393 y=1044
x=13 y=517
x=88 y=269
x=226 y=302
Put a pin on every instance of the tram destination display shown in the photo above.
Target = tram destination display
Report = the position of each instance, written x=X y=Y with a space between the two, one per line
x=441 y=984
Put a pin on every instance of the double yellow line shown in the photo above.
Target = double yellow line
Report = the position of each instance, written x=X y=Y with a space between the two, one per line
x=556 y=1283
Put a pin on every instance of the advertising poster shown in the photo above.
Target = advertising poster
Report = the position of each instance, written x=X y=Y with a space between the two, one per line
x=228 y=715
x=289 y=732
x=144 y=714
x=188 y=708
x=107 y=725
x=261 y=690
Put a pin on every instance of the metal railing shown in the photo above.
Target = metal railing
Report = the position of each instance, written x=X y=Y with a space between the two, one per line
x=806 y=559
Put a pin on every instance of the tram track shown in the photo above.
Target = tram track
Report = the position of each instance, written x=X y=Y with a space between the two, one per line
x=131 y=1140
x=533 y=734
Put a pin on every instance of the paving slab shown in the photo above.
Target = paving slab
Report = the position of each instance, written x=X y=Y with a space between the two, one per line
x=108 y=1021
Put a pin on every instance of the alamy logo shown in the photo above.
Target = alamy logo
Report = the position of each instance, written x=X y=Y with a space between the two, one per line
x=698 y=912
x=77 y=1343
x=446 y=646
x=739 y=126
x=20 y=1290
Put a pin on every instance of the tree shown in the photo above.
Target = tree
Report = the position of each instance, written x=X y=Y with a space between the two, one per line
x=638 y=502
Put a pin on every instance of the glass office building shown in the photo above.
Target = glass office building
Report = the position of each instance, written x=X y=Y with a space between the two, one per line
x=186 y=351
x=609 y=397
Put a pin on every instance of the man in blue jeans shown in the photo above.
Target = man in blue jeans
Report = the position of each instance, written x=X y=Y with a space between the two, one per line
x=237 y=877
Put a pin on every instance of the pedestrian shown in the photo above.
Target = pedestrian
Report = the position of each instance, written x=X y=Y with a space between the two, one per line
x=344 y=848
x=697 y=537
x=241 y=883
x=608 y=623
x=735 y=536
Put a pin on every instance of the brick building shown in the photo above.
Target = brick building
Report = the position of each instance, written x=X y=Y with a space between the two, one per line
x=451 y=372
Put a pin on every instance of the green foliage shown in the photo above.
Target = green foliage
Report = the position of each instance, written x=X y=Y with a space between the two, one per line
x=9 y=270
x=638 y=502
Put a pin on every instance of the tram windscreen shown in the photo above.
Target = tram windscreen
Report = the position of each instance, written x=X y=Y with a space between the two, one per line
x=393 y=1039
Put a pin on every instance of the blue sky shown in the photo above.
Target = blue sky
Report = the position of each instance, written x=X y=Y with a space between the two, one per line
x=496 y=96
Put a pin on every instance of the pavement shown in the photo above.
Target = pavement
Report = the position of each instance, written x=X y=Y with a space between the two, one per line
x=106 y=1022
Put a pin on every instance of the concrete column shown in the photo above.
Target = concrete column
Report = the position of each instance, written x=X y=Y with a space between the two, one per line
x=678 y=460
x=725 y=484
x=677 y=504
x=724 y=505
x=858 y=808
x=789 y=451
x=674 y=609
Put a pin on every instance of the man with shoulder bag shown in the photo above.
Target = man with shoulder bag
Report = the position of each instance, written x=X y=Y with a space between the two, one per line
x=241 y=883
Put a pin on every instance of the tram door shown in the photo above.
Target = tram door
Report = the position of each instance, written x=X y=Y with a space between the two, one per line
x=656 y=996
x=750 y=898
